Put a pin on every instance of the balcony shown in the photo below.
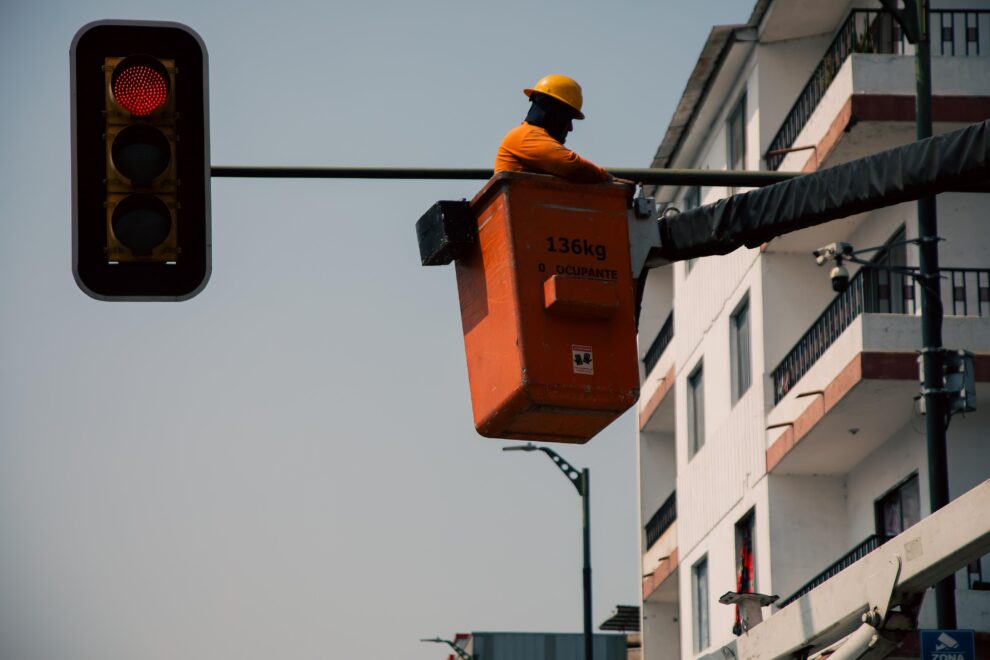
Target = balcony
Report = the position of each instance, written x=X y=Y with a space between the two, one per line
x=953 y=33
x=878 y=292
x=661 y=521
x=656 y=404
x=660 y=344
x=860 y=356
x=866 y=547
x=660 y=557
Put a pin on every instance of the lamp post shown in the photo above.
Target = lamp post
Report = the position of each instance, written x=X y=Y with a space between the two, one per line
x=914 y=21
x=582 y=482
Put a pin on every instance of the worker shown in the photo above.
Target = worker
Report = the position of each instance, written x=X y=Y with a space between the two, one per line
x=537 y=144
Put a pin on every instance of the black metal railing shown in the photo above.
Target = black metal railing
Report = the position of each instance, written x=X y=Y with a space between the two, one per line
x=866 y=547
x=969 y=291
x=964 y=292
x=871 y=291
x=964 y=32
x=953 y=32
x=659 y=344
x=661 y=520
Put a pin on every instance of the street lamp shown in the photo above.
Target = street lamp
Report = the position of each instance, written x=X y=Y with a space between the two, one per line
x=582 y=482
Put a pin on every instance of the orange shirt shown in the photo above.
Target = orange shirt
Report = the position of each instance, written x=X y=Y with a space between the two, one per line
x=528 y=148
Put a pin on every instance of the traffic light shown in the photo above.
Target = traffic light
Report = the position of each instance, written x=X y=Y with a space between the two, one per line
x=140 y=162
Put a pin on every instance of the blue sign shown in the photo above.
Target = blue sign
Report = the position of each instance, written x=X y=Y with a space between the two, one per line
x=947 y=645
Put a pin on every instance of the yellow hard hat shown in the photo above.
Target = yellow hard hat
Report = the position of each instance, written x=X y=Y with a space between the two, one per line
x=562 y=88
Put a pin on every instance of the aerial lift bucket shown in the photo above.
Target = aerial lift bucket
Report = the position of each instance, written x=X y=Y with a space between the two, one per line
x=547 y=303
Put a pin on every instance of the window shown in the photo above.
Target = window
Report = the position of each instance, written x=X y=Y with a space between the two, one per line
x=745 y=566
x=745 y=562
x=699 y=588
x=735 y=131
x=974 y=576
x=899 y=508
x=696 y=410
x=739 y=349
x=893 y=292
x=692 y=200
x=736 y=135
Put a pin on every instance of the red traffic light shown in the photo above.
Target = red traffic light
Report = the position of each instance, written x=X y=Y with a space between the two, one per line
x=139 y=85
x=140 y=127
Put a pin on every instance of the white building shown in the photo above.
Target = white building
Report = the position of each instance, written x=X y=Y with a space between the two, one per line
x=781 y=413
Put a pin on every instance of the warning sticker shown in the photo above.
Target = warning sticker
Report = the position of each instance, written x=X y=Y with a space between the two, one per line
x=582 y=359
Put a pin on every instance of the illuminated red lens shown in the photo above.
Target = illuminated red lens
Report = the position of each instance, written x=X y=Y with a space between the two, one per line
x=140 y=89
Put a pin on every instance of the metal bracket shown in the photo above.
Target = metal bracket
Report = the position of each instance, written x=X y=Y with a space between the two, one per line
x=574 y=475
x=750 y=606
x=644 y=232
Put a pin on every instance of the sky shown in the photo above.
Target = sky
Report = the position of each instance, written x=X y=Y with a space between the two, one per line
x=285 y=466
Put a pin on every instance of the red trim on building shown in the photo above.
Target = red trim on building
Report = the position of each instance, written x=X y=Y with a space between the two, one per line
x=894 y=107
x=666 y=383
x=666 y=568
x=865 y=366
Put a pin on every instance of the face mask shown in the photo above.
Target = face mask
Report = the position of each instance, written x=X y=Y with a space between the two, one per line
x=551 y=115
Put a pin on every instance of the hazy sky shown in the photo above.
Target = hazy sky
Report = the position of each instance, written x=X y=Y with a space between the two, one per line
x=285 y=466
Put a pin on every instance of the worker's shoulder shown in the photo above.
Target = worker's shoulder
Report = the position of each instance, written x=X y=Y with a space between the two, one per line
x=524 y=131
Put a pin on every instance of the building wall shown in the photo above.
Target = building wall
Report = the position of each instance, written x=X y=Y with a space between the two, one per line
x=803 y=522
x=719 y=548
x=731 y=456
x=784 y=69
x=661 y=631
x=657 y=471
x=808 y=518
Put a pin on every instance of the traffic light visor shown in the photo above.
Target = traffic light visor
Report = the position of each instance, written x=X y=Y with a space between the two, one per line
x=140 y=84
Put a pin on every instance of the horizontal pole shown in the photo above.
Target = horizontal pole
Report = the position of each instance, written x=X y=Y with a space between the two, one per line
x=646 y=176
x=248 y=172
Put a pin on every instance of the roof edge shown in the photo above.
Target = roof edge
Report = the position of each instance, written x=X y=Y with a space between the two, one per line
x=710 y=62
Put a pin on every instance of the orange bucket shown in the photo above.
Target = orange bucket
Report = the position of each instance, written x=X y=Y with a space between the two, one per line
x=547 y=308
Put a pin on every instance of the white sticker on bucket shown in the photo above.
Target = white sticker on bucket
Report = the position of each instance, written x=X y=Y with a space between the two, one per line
x=582 y=359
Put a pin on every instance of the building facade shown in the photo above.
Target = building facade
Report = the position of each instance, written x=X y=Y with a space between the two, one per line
x=779 y=436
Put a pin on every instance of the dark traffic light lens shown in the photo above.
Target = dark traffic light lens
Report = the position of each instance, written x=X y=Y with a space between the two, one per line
x=141 y=152
x=141 y=222
x=139 y=84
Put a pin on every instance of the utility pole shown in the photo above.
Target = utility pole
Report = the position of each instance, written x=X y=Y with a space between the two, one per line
x=913 y=19
x=582 y=482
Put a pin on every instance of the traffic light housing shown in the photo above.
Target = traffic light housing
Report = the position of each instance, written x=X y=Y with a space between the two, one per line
x=140 y=162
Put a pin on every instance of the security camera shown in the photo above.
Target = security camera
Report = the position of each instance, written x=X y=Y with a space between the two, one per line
x=832 y=251
x=840 y=278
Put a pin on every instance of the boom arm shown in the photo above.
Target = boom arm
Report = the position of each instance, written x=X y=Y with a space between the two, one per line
x=896 y=573
x=938 y=164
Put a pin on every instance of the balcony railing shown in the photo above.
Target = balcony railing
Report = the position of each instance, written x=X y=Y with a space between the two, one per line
x=847 y=560
x=970 y=289
x=965 y=292
x=953 y=32
x=661 y=520
x=659 y=344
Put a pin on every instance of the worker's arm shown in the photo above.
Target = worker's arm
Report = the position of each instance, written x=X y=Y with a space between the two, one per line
x=542 y=153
